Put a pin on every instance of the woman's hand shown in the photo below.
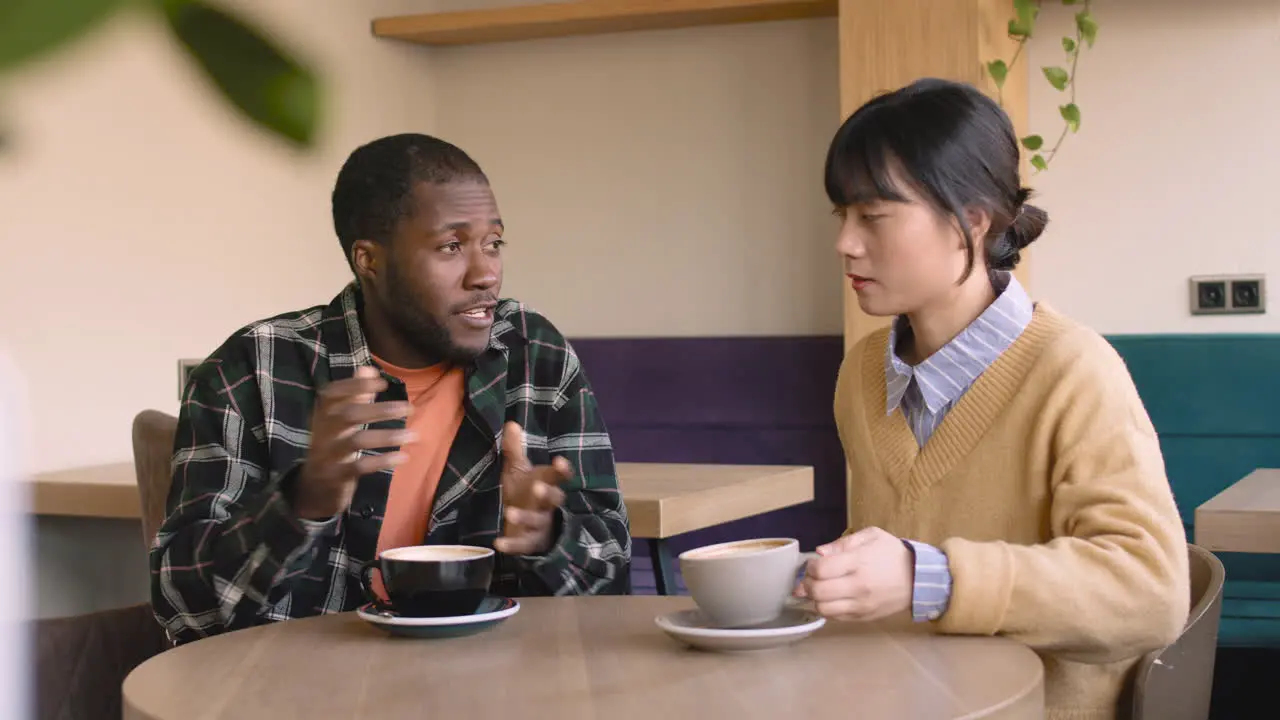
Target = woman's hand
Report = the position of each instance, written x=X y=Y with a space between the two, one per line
x=866 y=575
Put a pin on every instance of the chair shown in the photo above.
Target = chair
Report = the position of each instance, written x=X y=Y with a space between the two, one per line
x=153 y=433
x=1176 y=682
x=81 y=661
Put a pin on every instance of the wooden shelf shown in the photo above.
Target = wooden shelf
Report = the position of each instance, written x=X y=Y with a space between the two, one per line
x=589 y=17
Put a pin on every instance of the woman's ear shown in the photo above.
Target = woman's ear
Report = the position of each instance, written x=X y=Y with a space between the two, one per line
x=979 y=222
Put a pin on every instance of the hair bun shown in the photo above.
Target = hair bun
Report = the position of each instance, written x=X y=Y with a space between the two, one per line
x=1027 y=225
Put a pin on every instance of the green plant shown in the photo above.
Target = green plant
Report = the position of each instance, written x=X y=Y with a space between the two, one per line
x=268 y=86
x=1062 y=77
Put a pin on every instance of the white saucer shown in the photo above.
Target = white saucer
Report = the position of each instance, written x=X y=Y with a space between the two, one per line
x=689 y=627
x=491 y=612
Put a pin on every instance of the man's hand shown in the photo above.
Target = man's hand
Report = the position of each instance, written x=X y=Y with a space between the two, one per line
x=333 y=464
x=531 y=496
x=866 y=575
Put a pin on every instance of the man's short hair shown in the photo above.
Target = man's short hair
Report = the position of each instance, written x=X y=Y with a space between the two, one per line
x=375 y=186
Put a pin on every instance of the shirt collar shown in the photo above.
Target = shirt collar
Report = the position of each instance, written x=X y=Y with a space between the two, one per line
x=944 y=376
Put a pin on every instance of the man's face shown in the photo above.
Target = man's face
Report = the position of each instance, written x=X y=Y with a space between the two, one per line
x=443 y=271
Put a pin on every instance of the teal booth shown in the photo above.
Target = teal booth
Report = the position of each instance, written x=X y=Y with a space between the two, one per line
x=1215 y=402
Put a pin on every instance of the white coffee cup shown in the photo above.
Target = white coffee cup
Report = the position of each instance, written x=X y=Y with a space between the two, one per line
x=745 y=582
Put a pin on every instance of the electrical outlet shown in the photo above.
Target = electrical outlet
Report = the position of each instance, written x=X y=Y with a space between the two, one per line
x=185 y=366
x=1228 y=294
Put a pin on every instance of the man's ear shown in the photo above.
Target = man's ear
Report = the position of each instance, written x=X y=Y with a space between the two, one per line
x=367 y=259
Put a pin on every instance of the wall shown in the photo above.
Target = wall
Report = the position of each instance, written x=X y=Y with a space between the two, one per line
x=1173 y=173
x=682 y=168
x=144 y=222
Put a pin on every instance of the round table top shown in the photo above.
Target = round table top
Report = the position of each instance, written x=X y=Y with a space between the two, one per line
x=586 y=657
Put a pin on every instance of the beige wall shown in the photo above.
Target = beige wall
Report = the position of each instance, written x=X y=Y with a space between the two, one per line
x=1174 y=172
x=664 y=183
x=143 y=222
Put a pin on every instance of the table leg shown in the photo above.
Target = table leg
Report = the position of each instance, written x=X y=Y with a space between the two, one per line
x=664 y=575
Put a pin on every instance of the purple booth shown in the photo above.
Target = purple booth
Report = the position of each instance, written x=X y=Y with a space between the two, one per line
x=738 y=400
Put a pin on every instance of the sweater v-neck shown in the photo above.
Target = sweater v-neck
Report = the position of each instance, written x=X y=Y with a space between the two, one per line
x=913 y=469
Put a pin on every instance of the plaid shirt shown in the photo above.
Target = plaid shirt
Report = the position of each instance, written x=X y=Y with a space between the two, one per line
x=231 y=552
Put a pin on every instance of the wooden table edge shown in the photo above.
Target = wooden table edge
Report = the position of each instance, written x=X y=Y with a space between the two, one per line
x=805 y=474
x=1254 y=476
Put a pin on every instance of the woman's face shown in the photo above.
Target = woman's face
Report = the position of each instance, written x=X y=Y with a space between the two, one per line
x=902 y=256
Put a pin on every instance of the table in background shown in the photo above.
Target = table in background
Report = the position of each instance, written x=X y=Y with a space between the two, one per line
x=1244 y=518
x=662 y=499
x=583 y=657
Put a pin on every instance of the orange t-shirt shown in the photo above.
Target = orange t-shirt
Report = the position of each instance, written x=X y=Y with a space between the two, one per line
x=436 y=393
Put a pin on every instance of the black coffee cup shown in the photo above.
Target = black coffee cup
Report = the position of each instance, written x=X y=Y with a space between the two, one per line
x=431 y=580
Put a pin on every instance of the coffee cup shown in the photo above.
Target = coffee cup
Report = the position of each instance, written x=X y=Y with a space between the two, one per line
x=743 y=583
x=431 y=580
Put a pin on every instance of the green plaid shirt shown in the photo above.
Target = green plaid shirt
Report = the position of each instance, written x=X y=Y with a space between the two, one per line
x=231 y=552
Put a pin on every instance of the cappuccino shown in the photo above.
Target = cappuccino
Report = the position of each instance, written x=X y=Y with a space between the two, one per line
x=433 y=553
x=745 y=547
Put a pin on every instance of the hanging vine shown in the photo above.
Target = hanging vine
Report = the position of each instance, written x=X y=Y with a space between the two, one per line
x=1062 y=77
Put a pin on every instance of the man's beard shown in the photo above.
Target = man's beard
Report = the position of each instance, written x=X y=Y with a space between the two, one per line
x=419 y=329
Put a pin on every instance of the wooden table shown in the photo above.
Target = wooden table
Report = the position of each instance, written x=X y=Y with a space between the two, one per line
x=101 y=491
x=593 y=657
x=1243 y=518
x=663 y=500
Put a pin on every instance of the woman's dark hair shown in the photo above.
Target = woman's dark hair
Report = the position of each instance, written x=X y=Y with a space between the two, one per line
x=954 y=146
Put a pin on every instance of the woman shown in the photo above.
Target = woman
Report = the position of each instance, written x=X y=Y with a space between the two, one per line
x=1005 y=477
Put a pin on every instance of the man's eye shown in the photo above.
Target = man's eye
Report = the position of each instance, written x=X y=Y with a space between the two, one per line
x=452 y=246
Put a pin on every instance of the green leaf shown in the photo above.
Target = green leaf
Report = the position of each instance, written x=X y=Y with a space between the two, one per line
x=1057 y=77
x=1087 y=26
x=1026 y=12
x=1068 y=2
x=1071 y=113
x=998 y=71
x=1039 y=163
x=32 y=28
x=1068 y=44
x=1024 y=20
x=274 y=90
x=1033 y=142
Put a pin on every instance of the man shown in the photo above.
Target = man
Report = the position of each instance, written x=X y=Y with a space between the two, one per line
x=415 y=408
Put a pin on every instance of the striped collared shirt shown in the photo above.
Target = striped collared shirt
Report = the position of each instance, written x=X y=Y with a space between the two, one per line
x=927 y=391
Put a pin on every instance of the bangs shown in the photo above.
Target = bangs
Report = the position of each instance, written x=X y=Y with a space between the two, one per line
x=860 y=165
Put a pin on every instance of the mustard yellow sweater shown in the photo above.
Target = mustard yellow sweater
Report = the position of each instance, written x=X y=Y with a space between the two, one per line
x=1046 y=489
